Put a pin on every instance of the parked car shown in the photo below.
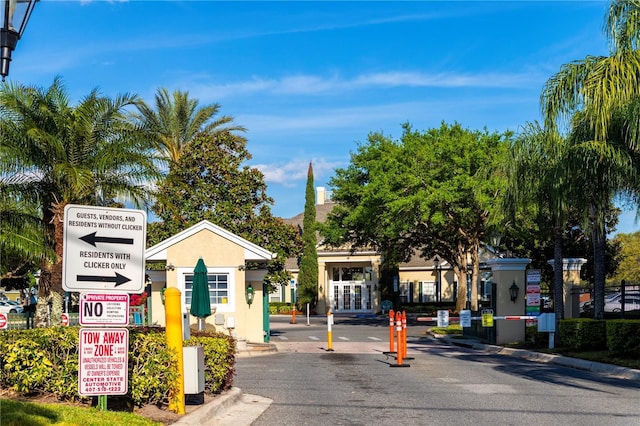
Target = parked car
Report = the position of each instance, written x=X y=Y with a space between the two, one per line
x=631 y=303
x=8 y=307
x=587 y=306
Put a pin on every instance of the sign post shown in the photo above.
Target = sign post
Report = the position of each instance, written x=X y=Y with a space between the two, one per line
x=103 y=258
x=103 y=249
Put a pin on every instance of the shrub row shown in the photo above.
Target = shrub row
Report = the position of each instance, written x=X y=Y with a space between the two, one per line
x=219 y=359
x=618 y=336
x=45 y=360
x=282 y=308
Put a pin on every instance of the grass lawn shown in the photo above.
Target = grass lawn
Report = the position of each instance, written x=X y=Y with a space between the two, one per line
x=18 y=413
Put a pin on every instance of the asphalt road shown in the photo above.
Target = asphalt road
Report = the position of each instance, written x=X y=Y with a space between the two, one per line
x=356 y=384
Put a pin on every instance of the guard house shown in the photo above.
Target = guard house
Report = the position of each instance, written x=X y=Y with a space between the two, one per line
x=225 y=255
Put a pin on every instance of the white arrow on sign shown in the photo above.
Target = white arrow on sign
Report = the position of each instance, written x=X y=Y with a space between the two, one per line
x=103 y=249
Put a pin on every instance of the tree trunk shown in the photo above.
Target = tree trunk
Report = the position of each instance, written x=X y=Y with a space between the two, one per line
x=558 y=280
x=475 y=272
x=459 y=268
x=44 y=291
x=599 y=268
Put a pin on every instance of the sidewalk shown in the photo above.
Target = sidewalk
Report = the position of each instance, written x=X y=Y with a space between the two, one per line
x=233 y=407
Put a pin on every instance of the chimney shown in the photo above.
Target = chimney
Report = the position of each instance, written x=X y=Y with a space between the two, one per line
x=322 y=193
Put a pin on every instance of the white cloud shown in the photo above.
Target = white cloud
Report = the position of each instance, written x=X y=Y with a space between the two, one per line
x=294 y=172
x=330 y=85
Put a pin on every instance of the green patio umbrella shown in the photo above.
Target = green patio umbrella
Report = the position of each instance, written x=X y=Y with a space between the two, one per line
x=200 y=303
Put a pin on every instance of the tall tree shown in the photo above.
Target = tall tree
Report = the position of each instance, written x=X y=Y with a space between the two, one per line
x=629 y=266
x=86 y=154
x=308 y=275
x=177 y=119
x=360 y=218
x=540 y=182
x=22 y=244
x=210 y=182
x=430 y=191
x=590 y=91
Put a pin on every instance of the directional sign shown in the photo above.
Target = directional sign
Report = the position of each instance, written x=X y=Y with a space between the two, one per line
x=103 y=249
x=443 y=318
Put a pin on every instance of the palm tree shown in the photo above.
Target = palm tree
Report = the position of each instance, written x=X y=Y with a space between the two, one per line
x=597 y=87
x=177 y=119
x=87 y=154
x=611 y=173
x=539 y=182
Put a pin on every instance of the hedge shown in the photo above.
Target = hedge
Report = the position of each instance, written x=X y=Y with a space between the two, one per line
x=583 y=333
x=45 y=360
x=623 y=336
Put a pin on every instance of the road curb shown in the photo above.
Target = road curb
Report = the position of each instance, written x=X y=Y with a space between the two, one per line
x=220 y=404
x=614 y=371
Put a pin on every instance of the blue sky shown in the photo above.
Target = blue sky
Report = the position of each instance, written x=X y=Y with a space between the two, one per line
x=310 y=80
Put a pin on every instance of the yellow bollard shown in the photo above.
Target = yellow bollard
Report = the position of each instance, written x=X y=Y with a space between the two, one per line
x=329 y=332
x=173 y=317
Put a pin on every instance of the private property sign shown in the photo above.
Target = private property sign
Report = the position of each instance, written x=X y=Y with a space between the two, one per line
x=103 y=249
x=104 y=309
x=103 y=361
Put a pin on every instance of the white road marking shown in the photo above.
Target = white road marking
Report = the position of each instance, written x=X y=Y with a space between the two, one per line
x=343 y=338
x=374 y=338
x=314 y=338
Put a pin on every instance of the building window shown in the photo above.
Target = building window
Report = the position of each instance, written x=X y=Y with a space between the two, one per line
x=221 y=294
x=405 y=294
x=278 y=295
x=427 y=291
x=355 y=273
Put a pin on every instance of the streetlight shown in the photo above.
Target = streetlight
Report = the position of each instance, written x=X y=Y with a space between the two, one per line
x=15 y=15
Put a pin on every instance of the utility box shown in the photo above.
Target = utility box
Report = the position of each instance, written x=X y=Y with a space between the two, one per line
x=193 y=361
x=186 y=330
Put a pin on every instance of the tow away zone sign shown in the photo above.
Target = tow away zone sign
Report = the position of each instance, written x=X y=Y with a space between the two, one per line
x=103 y=359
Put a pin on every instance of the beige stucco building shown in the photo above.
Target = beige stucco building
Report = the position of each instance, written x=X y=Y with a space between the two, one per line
x=349 y=282
x=225 y=255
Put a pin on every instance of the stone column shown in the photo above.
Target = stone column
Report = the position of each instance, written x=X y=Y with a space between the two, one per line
x=571 y=285
x=506 y=272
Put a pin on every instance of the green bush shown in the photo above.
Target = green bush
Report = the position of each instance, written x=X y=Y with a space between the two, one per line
x=283 y=308
x=623 y=336
x=152 y=367
x=535 y=337
x=583 y=333
x=219 y=359
x=427 y=309
x=45 y=360
x=40 y=360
